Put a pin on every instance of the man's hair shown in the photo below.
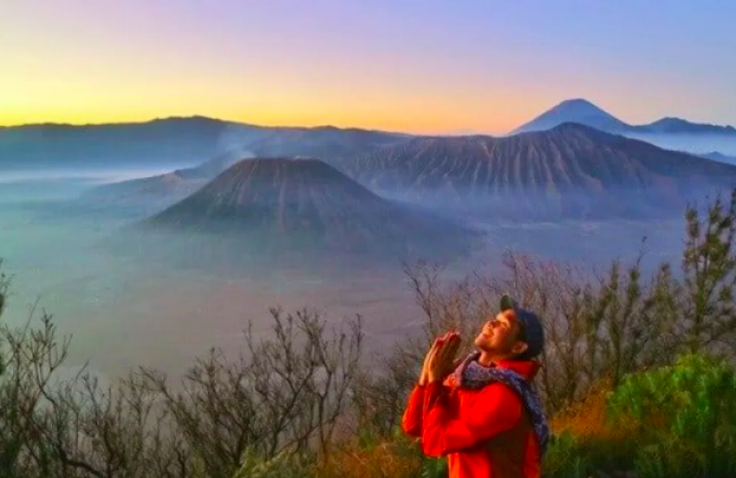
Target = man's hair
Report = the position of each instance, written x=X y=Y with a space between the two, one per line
x=530 y=329
x=521 y=337
x=521 y=331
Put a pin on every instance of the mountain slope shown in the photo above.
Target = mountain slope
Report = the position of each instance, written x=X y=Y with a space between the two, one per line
x=722 y=158
x=574 y=111
x=681 y=126
x=164 y=189
x=568 y=171
x=586 y=113
x=172 y=142
x=305 y=206
x=167 y=142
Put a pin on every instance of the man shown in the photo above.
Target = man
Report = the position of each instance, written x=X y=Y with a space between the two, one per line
x=482 y=414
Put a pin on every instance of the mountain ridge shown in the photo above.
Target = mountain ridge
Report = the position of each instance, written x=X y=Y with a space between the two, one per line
x=287 y=205
x=192 y=119
x=583 y=111
x=176 y=143
x=571 y=170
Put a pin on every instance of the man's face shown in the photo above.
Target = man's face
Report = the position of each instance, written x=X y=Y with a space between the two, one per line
x=499 y=335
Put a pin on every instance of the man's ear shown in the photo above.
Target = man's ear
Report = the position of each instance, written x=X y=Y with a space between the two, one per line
x=519 y=348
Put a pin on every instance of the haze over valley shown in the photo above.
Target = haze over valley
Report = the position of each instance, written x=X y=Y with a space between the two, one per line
x=155 y=261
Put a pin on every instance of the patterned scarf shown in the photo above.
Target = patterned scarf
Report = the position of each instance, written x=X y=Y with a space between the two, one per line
x=471 y=374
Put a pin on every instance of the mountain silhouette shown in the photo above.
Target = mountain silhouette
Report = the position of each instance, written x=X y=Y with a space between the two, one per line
x=663 y=132
x=574 y=111
x=177 y=142
x=680 y=126
x=163 y=189
x=305 y=206
x=569 y=171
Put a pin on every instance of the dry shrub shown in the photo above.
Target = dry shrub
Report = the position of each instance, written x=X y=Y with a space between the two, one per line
x=387 y=459
x=587 y=418
x=590 y=444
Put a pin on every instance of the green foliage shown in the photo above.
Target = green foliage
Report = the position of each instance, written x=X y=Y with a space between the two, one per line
x=670 y=457
x=285 y=464
x=4 y=285
x=430 y=467
x=407 y=447
x=687 y=417
x=709 y=266
x=434 y=468
x=565 y=458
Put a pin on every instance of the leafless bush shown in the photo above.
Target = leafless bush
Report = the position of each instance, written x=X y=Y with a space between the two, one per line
x=601 y=326
x=379 y=397
x=284 y=393
x=598 y=326
x=72 y=427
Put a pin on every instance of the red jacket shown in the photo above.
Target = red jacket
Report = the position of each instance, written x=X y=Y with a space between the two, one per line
x=485 y=433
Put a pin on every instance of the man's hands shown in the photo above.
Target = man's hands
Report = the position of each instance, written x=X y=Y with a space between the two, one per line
x=440 y=361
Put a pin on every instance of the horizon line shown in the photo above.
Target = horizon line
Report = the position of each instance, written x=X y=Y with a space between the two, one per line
x=455 y=132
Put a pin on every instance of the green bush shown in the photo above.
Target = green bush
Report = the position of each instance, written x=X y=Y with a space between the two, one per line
x=406 y=447
x=283 y=465
x=565 y=458
x=686 y=415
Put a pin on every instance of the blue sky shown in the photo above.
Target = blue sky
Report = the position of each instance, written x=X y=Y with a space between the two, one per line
x=424 y=66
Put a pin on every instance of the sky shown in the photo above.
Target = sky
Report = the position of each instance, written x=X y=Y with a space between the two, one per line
x=429 y=66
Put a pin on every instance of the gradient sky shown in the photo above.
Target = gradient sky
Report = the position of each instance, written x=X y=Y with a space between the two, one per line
x=426 y=66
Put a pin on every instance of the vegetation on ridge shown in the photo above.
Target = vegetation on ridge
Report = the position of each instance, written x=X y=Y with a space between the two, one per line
x=637 y=376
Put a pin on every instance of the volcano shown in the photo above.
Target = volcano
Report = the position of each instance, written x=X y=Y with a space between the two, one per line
x=570 y=171
x=575 y=111
x=305 y=206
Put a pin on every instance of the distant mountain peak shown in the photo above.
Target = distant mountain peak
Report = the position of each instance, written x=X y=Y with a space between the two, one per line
x=582 y=111
x=670 y=121
x=670 y=124
x=575 y=110
x=577 y=103
x=720 y=157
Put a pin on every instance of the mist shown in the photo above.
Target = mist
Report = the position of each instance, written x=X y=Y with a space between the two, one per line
x=126 y=309
x=88 y=176
x=701 y=143
x=130 y=303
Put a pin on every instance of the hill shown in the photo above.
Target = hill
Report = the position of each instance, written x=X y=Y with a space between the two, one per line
x=681 y=126
x=305 y=206
x=586 y=113
x=716 y=156
x=172 y=142
x=574 y=111
x=162 y=190
x=568 y=171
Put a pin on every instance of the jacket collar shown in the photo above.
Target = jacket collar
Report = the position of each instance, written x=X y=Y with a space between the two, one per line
x=526 y=368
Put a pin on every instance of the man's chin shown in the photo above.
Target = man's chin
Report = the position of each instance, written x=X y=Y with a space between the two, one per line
x=482 y=345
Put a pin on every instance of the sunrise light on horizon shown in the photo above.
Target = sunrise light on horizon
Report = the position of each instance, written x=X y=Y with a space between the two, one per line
x=422 y=67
